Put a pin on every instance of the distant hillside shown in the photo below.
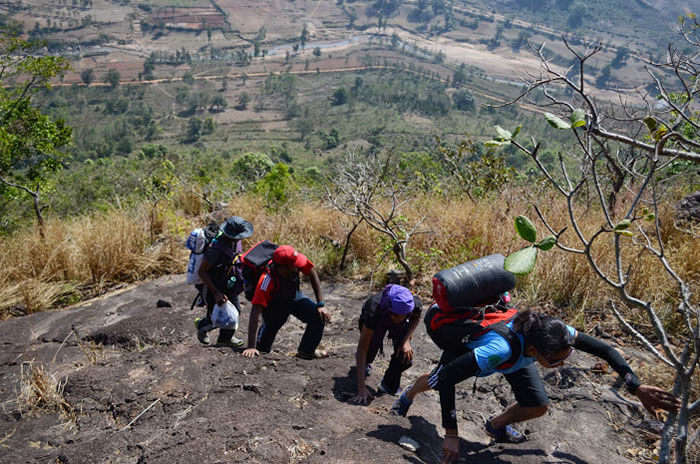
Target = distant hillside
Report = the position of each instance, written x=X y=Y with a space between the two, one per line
x=637 y=19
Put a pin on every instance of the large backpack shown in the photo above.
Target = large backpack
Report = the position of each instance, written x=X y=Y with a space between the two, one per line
x=469 y=304
x=253 y=263
x=197 y=242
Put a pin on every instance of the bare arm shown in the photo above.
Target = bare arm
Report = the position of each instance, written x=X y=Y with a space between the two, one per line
x=204 y=269
x=361 y=365
x=316 y=284
x=252 y=351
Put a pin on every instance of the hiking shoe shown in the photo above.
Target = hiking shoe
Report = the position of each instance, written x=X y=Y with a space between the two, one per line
x=505 y=434
x=236 y=343
x=318 y=354
x=401 y=405
x=384 y=389
x=202 y=335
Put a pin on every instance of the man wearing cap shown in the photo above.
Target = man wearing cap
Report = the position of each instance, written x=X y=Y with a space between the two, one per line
x=396 y=312
x=278 y=295
x=221 y=280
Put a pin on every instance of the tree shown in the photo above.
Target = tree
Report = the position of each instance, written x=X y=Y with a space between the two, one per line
x=87 y=76
x=340 y=97
x=208 y=126
x=370 y=189
x=243 y=100
x=460 y=76
x=276 y=186
x=251 y=167
x=641 y=156
x=193 y=130
x=317 y=51
x=218 y=104
x=304 y=36
x=31 y=142
x=112 y=78
x=188 y=78
x=463 y=100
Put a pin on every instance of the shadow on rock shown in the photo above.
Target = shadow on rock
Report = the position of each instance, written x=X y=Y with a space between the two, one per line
x=426 y=434
x=344 y=388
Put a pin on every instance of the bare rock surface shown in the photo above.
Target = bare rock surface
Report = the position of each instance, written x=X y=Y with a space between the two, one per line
x=121 y=355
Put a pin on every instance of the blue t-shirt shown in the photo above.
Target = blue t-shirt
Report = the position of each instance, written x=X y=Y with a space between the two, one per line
x=491 y=350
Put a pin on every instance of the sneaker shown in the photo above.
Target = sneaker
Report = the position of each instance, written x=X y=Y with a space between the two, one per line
x=505 y=434
x=318 y=354
x=401 y=405
x=236 y=343
x=384 y=389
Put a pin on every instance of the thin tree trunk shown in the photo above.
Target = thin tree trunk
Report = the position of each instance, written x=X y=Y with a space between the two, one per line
x=400 y=252
x=39 y=217
x=347 y=243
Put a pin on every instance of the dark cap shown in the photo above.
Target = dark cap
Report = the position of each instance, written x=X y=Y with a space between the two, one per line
x=236 y=228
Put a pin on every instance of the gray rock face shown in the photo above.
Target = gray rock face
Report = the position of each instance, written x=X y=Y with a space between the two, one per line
x=689 y=208
x=125 y=360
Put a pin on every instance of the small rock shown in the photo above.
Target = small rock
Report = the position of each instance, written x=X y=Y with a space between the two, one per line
x=408 y=443
x=164 y=304
x=689 y=208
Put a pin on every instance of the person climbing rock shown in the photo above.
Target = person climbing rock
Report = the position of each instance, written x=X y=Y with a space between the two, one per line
x=277 y=296
x=393 y=312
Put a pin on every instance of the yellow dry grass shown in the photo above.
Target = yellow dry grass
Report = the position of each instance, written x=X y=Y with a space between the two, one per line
x=83 y=256
x=41 y=391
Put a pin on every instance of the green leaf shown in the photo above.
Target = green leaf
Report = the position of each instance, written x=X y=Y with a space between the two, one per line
x=503 y=134
x=556 y=121
x=547 y=243
x=650 y=217
x=521 y=262
x=623 y=225
x=495 y=143
x=525 y=229
x=516 y=131
x=578 y=118
x=627 y=233
x=660 y=132
x=651 y=124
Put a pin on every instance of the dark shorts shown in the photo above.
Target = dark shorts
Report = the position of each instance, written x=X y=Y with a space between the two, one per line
x=526 y=383
x=528 y=387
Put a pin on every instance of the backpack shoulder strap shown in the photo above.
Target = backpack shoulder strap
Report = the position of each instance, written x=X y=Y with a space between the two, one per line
x=513 y=341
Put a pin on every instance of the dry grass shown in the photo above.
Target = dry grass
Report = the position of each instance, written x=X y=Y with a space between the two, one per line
x=86 y=255
x=82 y=257
x=41 y=391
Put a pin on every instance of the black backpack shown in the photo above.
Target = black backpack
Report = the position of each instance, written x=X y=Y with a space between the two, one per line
x=253 y=264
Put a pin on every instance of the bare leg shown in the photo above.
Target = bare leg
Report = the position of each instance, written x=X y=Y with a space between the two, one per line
x=419 y=386
x=516 y=413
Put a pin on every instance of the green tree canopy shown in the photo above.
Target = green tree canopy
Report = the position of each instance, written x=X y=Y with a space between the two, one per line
x=30 y=142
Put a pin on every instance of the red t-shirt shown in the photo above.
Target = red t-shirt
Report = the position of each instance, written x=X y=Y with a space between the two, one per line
x=267 y=286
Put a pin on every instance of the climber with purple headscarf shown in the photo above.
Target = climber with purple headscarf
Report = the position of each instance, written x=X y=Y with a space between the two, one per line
x=395 y=312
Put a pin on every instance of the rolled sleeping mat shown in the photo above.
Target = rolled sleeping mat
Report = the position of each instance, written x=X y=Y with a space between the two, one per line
x=473 y=283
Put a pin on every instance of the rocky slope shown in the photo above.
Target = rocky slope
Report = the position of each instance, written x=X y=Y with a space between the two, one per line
x=121 y=355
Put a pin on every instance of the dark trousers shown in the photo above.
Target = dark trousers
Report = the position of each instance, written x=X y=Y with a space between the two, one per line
x=225 y=335
x=397 y=364
x=277 y=313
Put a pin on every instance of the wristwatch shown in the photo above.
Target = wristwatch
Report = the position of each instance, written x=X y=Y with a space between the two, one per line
x=320 y=304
